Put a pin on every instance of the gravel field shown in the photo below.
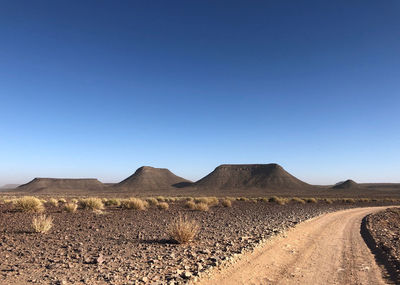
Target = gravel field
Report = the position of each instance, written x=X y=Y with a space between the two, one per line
x=384 y=230
x=123 y=246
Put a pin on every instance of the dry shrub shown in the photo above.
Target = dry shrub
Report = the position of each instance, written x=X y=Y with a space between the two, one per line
x=244 y=199
x=277 y=200
x=226 y=203
x=298 y=200
x=328 y=201
x=134 y=203
x=189 y=199
x=349 y=200
x=91 y=204
x=160 y=198
x=152 y=201
x=113 y=202
x=62 y=200
x=28 y=204
x=190 y=204
x=53 y=202
x=71 y=207
x=75 y=200
x=42 y=224
x=210 y=201
x=183 y=230
x=163 y=206
x=311 y=200
x=365 y=200
x=201 y=207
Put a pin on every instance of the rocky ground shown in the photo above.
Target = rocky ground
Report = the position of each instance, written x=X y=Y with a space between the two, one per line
x=384 y=229
x=124 y=246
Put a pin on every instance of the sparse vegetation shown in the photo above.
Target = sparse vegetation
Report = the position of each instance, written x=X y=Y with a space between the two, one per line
x=183 y=230
x=71 y=207
x=42 y=224
x=91 y=204
x=152 y=201
x=163 y=206
x=113 y=202
x=53 y=202
x=226 y=203
x=190 y=204
x=134 y=203
x=201 y=207
x=28 y=204
x=311 y=200
x=277 y=200
x=298 y=200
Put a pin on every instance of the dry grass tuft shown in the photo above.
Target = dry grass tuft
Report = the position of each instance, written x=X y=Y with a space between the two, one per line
x=201 y=207
x=277 y=200
x=226 y=203
x=311 y=200
x=152 y=201
x=183 y=230
x=113 y=202
x=163 y=206
x=74 y=200
x=298 y=200
x=91 y=204
x=160 y=198
x=349 y=200
x=28 y=204
x=62 y=200
x=53 y=202
x=42 y=224
x=71 y=207
x=190 y=204
x=135 y=204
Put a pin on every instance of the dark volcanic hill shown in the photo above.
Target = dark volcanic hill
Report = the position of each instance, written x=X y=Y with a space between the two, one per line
x=151 y=178
x=55 y=185
x=348 y=184
x=242 y=176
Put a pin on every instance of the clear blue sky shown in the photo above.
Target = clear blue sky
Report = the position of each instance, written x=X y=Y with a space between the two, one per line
x=100 y=88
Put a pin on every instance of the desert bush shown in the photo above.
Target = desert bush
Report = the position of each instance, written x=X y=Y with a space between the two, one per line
x=183 y=230
x=298 y=200
x=226 y=203
x=311 y=200
x=42 y=224
x=62 y=200
x=244 y=199
x=163 y=206
x=53 y=202
x=160 y=198
x=210 y=201
x=71 y=207
x=365 y=200
x=201 y=207
x=189 y=199
x=113 y=202
x=328 y=201
x=134 y=203
x=152 y=201
x=91 y=204
x=190 y=204
x=28 y=204
x=349 y=200
x=74 y=200
x=277 y=200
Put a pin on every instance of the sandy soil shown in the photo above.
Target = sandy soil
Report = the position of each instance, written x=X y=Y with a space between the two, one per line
x=325 y=250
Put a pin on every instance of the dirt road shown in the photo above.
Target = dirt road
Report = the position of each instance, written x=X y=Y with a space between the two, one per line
x=326 y=250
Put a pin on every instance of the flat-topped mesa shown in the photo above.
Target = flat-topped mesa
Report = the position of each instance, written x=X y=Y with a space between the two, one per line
x=147 y=177
x=239 y=176
x=54 y=184
x=348 y=184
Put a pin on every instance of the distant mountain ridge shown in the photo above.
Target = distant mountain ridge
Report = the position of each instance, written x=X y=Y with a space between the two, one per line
x=151 y=178
x=59 y=184
x=271 y=176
